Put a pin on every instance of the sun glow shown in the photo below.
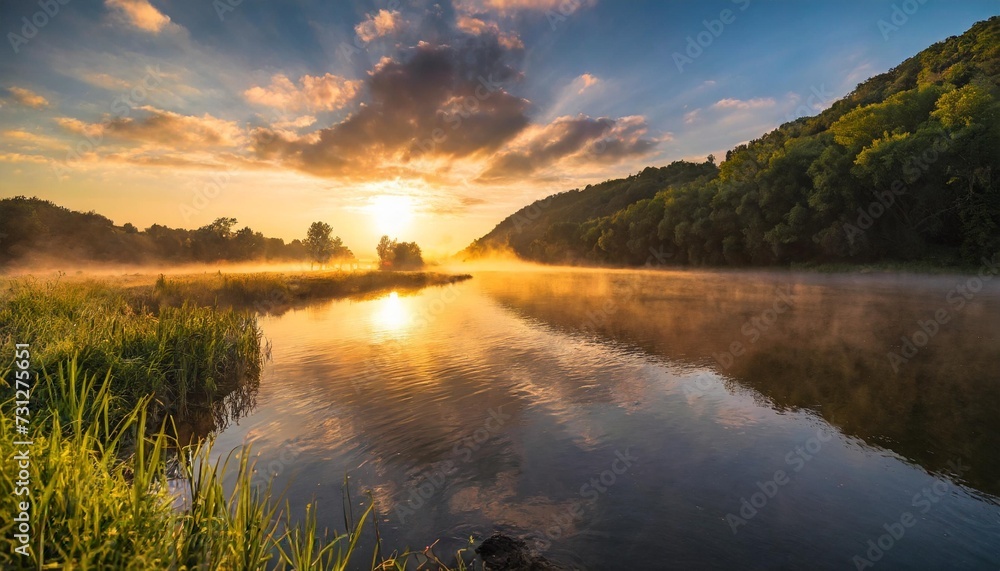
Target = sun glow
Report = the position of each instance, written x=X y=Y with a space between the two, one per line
x=391 y=214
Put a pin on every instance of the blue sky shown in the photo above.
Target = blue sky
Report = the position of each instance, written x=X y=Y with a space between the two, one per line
x=427 y=120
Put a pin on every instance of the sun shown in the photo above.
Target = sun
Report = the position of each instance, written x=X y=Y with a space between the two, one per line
x=391 y=214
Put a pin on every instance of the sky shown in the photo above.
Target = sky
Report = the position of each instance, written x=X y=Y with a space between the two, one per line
x=429 y=121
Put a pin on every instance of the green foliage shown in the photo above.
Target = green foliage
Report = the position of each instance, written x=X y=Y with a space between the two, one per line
x=904 y=165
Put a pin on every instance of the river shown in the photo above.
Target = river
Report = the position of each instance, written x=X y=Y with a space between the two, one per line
x=650 y=419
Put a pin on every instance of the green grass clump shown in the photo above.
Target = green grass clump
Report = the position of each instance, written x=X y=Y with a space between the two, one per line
x=173 y=354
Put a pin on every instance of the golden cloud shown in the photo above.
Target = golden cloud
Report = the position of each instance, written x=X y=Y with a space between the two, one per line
x=313 y=93
x=140 y=13
x=28 y=98
x=377 y=25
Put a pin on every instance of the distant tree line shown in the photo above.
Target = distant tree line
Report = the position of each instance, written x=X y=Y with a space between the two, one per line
x=32 y=229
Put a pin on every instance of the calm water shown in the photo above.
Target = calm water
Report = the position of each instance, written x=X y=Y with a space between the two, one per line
x=633 y=420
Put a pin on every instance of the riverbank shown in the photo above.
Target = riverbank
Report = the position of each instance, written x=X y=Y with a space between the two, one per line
x=102 y=367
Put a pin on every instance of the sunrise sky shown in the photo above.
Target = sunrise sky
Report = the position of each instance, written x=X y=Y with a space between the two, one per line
x=427 y=120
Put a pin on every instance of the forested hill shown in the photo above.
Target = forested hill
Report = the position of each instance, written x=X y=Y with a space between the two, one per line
x=905 y=167
x=543 y=230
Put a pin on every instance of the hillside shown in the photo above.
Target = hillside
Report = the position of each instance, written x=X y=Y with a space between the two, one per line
x=538 y=230
x=905 y=167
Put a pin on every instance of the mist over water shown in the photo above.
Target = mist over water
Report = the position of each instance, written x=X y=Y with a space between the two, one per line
x=611 y=419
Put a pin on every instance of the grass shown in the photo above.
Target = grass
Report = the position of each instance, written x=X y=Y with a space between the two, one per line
x=116 y=362
x=174 y=355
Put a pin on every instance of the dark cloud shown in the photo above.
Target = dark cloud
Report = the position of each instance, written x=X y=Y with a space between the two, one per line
x=579 y=138
x=449 y=100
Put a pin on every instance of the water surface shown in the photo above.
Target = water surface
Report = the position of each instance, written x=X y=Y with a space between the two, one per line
x=622 y=420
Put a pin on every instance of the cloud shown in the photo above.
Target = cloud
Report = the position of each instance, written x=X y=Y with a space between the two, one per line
x=159 y=129
x=432 y=102
x=172 y=130
x=297 y=123
x=106 y=81
x=22 y=158
x=585 y=81
x=759 y=103
x=28 y=98
x=508 y=7
x=22 y=140
x=314 y=93
x=478 y=27
x=692 y=117
x=139 y=13
x=78 y=127
x=581 y=139
x=380 y=24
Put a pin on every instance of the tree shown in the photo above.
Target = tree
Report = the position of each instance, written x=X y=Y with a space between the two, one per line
x=385 y=251
x=340 y=252
x=212 y=242
x=399 y=255
x=248 y=245
x=407 y=256
x=319 y=243
x=222 y=227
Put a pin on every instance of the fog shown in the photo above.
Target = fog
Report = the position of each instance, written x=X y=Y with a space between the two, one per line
x=51 y=268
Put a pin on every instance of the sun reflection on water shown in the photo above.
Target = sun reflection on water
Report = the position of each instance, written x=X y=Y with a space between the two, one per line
x=393 y=315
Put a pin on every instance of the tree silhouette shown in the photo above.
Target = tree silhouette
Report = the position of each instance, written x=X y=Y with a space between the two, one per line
x=399 y=255
x=385 y=251
x=319 y=243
